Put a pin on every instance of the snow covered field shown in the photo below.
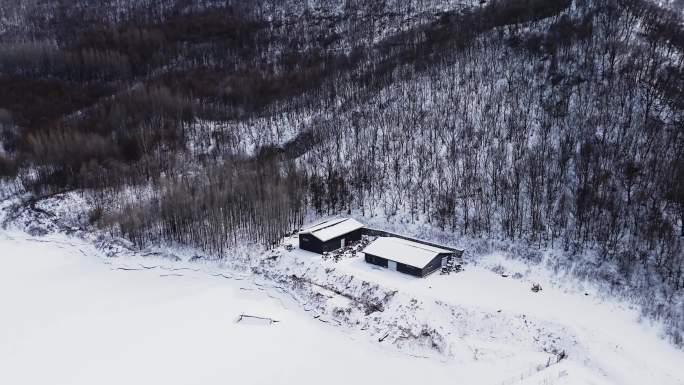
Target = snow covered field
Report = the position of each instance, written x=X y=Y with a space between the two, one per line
x=69 y=315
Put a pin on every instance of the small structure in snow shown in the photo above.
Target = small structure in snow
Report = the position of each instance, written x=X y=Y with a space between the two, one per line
x=409 y=257
x=256 y=320
x=330 y=235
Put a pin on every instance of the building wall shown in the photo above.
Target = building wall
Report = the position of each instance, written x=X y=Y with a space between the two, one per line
x=336 y=243
x=311 y=243
x=375 y=260
x=434 y=265
x=332 y=244
x=408 y=269
x=354 y=236
x=431 y=267
x=402 y=268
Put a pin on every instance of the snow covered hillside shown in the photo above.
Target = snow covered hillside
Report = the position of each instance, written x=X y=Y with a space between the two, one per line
x=550 y=125
x=83 y=318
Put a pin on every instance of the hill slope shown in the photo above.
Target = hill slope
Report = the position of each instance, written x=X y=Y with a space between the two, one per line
x=547 y=125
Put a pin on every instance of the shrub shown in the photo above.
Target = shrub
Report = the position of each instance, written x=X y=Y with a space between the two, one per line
x=95 y=215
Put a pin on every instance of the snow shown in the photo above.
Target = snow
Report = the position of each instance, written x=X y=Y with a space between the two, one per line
x=404 y=251
x=71 y=315
x=323 y=224
x=606 y=340
x=330 y=229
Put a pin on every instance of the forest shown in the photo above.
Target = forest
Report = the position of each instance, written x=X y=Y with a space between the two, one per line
x=550 y=123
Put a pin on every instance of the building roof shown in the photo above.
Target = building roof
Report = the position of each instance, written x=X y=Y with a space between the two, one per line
x=404 y=251
x=333 y=228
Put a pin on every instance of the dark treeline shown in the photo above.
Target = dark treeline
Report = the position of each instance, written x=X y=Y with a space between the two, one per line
x=553 y=123
x=226 y=206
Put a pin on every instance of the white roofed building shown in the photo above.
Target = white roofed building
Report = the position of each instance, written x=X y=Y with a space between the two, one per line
x=410 y=257
x=330 y=235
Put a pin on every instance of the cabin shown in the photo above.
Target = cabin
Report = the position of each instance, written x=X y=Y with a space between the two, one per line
x=406 y=256
x=330 y=235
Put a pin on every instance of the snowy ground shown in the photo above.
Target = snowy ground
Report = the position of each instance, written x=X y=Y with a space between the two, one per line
x=605 y=340
x=70 y=315
x=612 y=344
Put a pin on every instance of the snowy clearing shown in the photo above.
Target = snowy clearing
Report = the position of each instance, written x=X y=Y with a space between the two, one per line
x=72 y=316
x=618 y=348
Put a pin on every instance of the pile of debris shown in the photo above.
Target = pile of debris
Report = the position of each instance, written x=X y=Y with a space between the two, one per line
x=349 y=251
x=453 y=265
